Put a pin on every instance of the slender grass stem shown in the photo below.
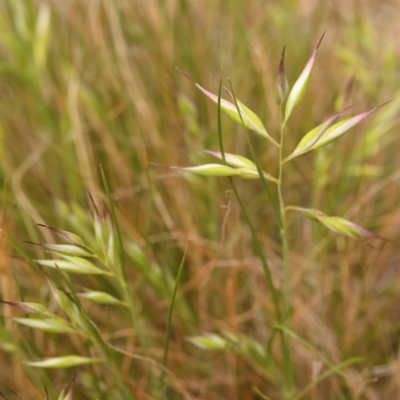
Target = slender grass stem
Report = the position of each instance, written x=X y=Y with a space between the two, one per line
x=325 y=375
x=123 y=278
x=289 y=372
x=274 y=292
x=170 y=311
x=256 y=161
x=256 y=242
x=285 y=251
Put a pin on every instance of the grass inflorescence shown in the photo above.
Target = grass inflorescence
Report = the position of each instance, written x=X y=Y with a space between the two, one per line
x=284 y=177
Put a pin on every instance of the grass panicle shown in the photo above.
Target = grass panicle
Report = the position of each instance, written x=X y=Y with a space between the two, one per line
x=286 y=182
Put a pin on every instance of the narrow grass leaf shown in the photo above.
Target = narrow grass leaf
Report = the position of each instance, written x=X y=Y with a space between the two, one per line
x=300 y=86
x=63 y=362
x=326 y=374
x=308 y=346
x=46 y=325
x=170 y=312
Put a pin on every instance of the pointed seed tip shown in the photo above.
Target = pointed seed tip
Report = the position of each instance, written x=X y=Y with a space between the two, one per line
x=159 y=165
x=320 y=40
x=348 y=107
x=185 y=75
x=384 y=104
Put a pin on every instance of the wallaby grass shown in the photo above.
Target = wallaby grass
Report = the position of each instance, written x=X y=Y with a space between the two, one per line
x=98 y=86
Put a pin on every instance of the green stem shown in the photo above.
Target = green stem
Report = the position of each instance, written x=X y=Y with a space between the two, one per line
x=256 y=161
x=257 y=245
x=289 y=376
x=170 y=311
x=274 y=292
x=285 y=251
x=256 y=242
x=123 y=275
x=326 y=374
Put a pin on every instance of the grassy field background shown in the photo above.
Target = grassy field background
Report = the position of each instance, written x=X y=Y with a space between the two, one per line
x=93 y=82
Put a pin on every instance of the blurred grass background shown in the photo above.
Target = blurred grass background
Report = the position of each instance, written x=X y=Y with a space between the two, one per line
x=89 y=83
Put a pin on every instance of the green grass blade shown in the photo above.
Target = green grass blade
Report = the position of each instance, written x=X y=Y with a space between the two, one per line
x=293 y=335
x=326 y=374
x=171 y=309
x=115 y=221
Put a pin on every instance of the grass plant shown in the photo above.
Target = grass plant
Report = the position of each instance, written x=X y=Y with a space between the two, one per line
x=288 y=290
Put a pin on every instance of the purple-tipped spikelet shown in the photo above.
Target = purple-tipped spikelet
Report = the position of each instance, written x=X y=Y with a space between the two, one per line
x=327 y=133
x=299 y=88
x=246 y=118
x=281 y=84
x=68 y=236
x=32 y=308
x=337 y=224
